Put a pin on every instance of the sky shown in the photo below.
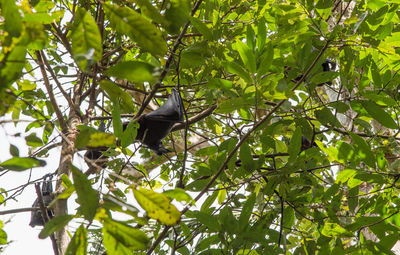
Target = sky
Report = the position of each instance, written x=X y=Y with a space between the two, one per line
x=21 y=235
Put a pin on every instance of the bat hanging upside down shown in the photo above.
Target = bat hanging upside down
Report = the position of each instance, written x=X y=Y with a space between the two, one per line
x=47 y=189
x=156 y=125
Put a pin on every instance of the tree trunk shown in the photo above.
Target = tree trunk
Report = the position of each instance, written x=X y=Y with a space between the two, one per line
x=67 y=155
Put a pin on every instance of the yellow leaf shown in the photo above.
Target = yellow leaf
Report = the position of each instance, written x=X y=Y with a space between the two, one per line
x=157 y=206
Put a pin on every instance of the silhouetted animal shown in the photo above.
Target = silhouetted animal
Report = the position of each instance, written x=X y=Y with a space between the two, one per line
x=156 y=125
x=47 y=189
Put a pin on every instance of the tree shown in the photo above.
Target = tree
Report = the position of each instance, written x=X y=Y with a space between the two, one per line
x=277 y=153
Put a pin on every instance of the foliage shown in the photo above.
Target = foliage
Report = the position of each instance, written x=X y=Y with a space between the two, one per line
x=252 y=80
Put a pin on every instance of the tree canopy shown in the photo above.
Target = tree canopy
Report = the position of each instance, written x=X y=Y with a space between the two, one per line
x=290 y=140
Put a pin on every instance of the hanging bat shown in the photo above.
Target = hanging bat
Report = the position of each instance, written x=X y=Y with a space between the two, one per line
x=47 y=189
x=156 y=125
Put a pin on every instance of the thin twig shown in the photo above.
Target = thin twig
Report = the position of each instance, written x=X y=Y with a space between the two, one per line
x=19 y=210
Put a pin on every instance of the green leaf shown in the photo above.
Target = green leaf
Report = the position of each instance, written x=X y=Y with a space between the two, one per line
x=179 y=195
x=220 y=84
x=335 y=230
x=157 y=206
x=119 y=204
x=44 y=18
x=150 y=11
x=86 y=40
x=237 y=69
x=265 y=60
x=353 y=198
x=379 y=114
x=247 y=56
x=12 y=18
x=345 y=175
x=33 y=140
x=326 y=117
x=323 y=4
x=364 y=150
x=177 y=14
x=323 y=77
x=246 y=157
x=21 y=163
x=91 y=137
x=332 y=152
x=288 y=217
x=375 y=73
x=14 y=151
x=232 y=104
x=129 y=134
x=66 y=193
x=11 y=66
x=120 y=238
x=247 y=209
x=54 y=225
x=221 y=194
x=133 y=71
x=100 y=139
x=295 y=143
x=381 y=160
x=3 y=237
x=209 y=201
x=203 y=29
x=195 y=55
x=78 y=243
x=208 y=220
x=205 y=243
x=346 y=152
x=250 y=38
x=227 y=220
x=143 y=32
x=261 y=34
x=118 y=95
x=88 y=198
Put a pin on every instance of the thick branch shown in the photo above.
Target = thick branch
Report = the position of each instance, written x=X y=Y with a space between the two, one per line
x=50 y=90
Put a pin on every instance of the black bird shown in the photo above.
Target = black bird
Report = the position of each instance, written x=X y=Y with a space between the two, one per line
x=47 y=189
x=156 y=125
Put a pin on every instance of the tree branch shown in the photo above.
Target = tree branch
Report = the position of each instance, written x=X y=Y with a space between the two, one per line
x=167 y=63
x=194 y=119
x=19 y=210
x=50 y=90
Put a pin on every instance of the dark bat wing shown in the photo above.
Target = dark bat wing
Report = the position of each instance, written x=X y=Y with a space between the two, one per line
x=47 y=189
x=170 y=111
x=156 y=125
